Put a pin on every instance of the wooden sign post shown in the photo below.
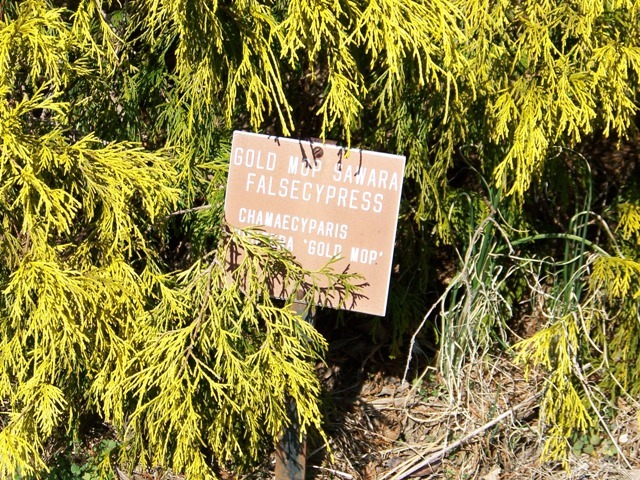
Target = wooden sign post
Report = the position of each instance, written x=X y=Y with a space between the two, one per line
x=291 y=450
x=323 y=202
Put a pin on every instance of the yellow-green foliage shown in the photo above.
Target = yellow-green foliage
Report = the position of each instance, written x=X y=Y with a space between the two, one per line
x=601 y=330
x=112 y=304
x=618 y=277
x=539 y=73
x=416 y=76
x=630 y=221
x=617 y=280
x=73 y=213
x=564 y=409
x=90 y=321
x=218 y=361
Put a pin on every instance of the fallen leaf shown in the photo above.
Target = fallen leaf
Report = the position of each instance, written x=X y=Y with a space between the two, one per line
x=493 y=474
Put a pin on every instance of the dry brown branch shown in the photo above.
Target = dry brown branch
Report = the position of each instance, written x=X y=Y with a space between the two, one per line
x=337 y=473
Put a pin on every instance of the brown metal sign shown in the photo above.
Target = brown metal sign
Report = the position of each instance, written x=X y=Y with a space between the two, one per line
x=321 y=201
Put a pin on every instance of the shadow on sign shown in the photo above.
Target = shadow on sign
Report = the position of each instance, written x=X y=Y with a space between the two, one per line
x=250 y=253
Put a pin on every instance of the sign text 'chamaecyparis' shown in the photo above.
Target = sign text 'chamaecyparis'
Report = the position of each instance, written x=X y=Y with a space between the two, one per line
x=321 y=201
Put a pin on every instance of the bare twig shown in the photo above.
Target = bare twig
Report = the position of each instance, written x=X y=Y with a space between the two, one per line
x=337 y=473
x=578 y=372
x=412 y=343
x=189 y=210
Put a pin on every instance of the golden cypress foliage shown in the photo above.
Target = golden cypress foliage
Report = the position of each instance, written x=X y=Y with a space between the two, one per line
x=629 y=222
x=97 y=316
x=91 y=320
x=416 y=76
x=564 y=411
x=74 y=209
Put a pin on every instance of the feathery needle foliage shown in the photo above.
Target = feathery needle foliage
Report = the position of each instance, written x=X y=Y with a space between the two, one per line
x=115 y=121
x=92 y=321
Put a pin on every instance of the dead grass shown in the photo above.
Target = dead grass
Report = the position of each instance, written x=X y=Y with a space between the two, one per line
x=393 y=430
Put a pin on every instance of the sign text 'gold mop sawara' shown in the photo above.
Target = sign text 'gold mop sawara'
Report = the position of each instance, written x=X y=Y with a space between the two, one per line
x=320 y=201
